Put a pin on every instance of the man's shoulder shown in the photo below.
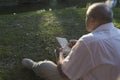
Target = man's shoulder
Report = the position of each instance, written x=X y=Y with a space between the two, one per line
x=91 y=40
x=88 y=38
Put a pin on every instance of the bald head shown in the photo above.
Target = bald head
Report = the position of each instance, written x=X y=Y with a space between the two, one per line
x=101 y=12
x=98 y=14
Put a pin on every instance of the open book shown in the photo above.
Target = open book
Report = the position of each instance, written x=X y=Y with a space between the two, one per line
x=64 y=44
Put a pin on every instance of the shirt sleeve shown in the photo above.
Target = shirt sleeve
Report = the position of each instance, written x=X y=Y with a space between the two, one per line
x=78 y=62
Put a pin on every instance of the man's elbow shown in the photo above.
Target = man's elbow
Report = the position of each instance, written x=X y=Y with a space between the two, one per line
x=59 y=67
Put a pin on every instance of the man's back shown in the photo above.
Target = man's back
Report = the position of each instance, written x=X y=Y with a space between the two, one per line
x=104 y=46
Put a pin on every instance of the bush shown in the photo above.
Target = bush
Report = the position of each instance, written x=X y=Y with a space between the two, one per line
x=61 y=3
x=23 y=1
x=78 y=3
x=6 y=1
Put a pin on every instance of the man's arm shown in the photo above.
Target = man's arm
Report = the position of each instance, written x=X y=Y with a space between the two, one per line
x=59 y=64
x=61 y=57
x=72 y=42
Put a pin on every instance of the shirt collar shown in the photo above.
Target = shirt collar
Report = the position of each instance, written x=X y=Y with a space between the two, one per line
x=104 y=27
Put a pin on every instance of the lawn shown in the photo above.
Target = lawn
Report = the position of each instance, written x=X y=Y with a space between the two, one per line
x=32 y=35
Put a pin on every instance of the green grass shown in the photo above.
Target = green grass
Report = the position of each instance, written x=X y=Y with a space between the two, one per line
x=32 y=35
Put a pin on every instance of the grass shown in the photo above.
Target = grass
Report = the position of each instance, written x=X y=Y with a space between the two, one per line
x=32 y=35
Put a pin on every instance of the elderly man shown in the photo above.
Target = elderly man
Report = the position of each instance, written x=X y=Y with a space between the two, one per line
x=95 y=56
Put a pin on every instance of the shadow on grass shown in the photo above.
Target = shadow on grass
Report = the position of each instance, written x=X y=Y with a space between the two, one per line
x=21 y=37
x=23 y=74
x=32 y=35
x=20 y=8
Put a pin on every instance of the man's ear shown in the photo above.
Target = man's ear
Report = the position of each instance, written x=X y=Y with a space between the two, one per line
x=93 y=21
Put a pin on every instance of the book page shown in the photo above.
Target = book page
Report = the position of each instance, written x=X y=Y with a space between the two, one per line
x=63 y=43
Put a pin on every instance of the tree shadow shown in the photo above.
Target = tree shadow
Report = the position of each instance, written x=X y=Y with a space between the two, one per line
x=23 y=8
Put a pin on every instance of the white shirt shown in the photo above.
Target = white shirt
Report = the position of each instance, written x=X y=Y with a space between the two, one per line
x=96 y=56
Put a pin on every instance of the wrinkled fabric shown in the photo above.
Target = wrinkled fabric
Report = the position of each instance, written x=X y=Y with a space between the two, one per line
x=95 y=56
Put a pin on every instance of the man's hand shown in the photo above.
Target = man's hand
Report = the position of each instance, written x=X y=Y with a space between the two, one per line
x=61 y=58
x=60 y=62
x=72 y=42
